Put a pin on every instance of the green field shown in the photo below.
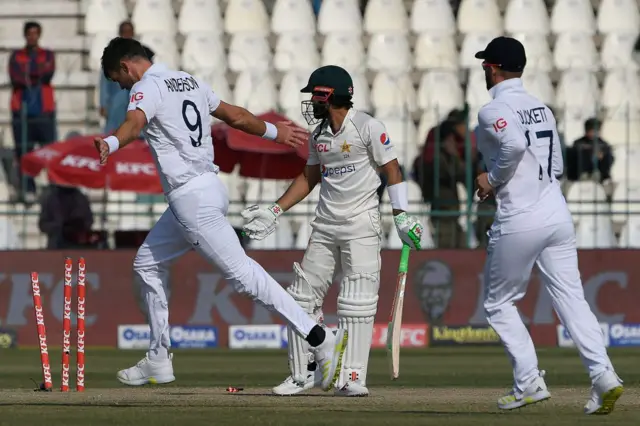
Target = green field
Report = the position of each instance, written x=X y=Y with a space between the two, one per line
x=437 y=387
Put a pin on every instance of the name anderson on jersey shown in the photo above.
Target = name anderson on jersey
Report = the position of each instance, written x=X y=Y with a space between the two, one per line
x=533 y=115
x=181 y=84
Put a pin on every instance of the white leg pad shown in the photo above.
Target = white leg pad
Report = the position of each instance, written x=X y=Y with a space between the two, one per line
x=357 y=306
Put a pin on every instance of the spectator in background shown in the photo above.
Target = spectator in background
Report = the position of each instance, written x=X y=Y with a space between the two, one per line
x=32 y=102
x=589 y=154
x=113 y=99
x=66 y=218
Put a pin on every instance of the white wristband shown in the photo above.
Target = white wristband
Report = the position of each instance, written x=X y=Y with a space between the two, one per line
x=271 y=133
x=113 y=142
x=398 y=194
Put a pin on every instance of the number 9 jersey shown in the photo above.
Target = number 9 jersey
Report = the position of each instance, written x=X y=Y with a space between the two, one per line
x=518 y=139
x=178 y=108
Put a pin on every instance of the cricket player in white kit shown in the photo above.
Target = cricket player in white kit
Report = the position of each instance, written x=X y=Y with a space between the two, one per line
x=519 y=142
x=346 y=150
x=174 y=110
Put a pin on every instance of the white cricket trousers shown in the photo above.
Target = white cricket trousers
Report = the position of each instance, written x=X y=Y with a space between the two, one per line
x=196 y=219
x=506 y=275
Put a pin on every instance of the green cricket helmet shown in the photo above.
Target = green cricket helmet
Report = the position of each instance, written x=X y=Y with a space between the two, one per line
x=326 y=84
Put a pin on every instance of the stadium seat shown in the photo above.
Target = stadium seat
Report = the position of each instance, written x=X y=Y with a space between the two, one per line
x=217 y=81
x=393 y=93
x=479 y=16
x=621 y=87
x=249 y=51
x=539 y=85
x=345 y=50
x=194 y=58
x=429 y=119
x=621 y=132
x=290 y=96
x=472 y=44
x=104 y=16
x=164 y=46
x=526 y=16
x=616 y=52
x=295 y=114
x=154 y=16
x=538 y=52
x=246 y=16
x=441 y=20
x=625 y=167
x=98 y=42
x=303 y=235
x=573 y=16
x=200 y=16
x=261 y=191
x=595 y=232
x=71 y=105
x=575 y=51
x=625 y=202
x=255 y=91
x=339 y=16
x=573 y=124
x=385 y=16
x=578 y=90
x=587 y=198
x=440 y=91
x=618 y=16
x=293 y=16
x=361 y=94
x=389 y=52
x=630 y=233
x=295 y=51
x=403 y=135
x=435 y=51
x=301 y=213
x=477 y=94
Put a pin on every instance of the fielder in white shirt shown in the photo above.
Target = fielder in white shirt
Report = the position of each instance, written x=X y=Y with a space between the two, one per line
x=519 y=142
x=175 y=109
x=346 y=150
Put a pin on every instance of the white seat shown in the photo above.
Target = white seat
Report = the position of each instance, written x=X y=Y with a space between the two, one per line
x=393 y=92
x=435 y=51
x=539 y=85
x=620 y=132
x=403 y=134
x=339 y=16
x=345 y=50
x=361 y=94
x=154 y=16
x=630 y=233
x=246 y=16
x=217 y=81
x=441 y=19
x=573 y=125
x=575 y=51
x=293 y=16
x=98 y=42
x=618 y=16
x=621 y=87
x=625 y=201
x=203 y=51
x=200 y=16
x=526 y=16
x=472 y=44
x=440 y=91
x=587 y=198
x=302 y=212
x=261 y=191
x=255 y=91
x=296 y=51
x=625 y=167
x=428 y=120
x=389 y=52
x=477 y=94
x=249 y=51
x=617 y=52
x=290 y=96
x=595 y=232
x=578 y=90
x=479 y=16
x=539 y=55
x=104 y=16
x=164 y=46
x=295 y=114
x=385 y=16
x=573 y=16
x=302 y=236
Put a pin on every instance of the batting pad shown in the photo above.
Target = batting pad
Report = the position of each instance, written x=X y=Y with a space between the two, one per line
x=357 y=306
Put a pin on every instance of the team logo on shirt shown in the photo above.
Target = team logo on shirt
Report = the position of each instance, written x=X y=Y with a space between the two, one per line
x=337 y=171
x=384 y=139
x=500 y=124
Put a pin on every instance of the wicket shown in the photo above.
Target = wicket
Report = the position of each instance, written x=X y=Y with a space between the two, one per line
x=66 y=327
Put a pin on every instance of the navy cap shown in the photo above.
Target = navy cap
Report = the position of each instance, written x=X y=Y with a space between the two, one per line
x=506 y=53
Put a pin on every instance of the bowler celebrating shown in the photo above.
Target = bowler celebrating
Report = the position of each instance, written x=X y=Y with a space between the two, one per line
x=519 y=142
x=174 y=110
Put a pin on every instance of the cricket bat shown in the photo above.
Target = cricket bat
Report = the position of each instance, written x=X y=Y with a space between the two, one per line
x=394 y=329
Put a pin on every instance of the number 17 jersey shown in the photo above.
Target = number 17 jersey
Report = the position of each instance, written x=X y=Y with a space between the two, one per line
x=178 y=131
x=519 y=142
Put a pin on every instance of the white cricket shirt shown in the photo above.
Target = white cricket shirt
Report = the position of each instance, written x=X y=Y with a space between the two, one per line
x=178 y=107
x=519 y=142
x=348 y=161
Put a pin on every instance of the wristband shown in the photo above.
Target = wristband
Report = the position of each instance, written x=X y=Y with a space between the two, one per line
x=398 y=194
x=276 y=209
x=271 y=133
x=113 y=142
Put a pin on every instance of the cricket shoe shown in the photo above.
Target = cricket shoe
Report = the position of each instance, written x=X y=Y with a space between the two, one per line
x=535 y=392
x=352 y=389
x=328 y=356
x=604 y=393
x=290 y=386
x=148 y=372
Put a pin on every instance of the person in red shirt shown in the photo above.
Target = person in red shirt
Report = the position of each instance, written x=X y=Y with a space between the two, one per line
x=32 y=101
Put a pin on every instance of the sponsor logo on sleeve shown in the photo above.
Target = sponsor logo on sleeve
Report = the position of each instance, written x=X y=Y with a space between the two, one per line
x=255 y=336
x=565 y=340
x=384 y=139
x=500 y=124
x=463 y=336
x=624 y=334
x=137 y=97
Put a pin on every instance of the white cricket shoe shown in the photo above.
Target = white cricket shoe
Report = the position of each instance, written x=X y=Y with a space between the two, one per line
x=290 y=386
x=604 y=393
x=352 y=389
x=328 y=356
x=536 y=392
x=148 y=372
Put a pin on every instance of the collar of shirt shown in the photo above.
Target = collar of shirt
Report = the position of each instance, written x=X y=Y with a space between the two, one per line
x=155 y=69
x=510 y=85
x=347 y=118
